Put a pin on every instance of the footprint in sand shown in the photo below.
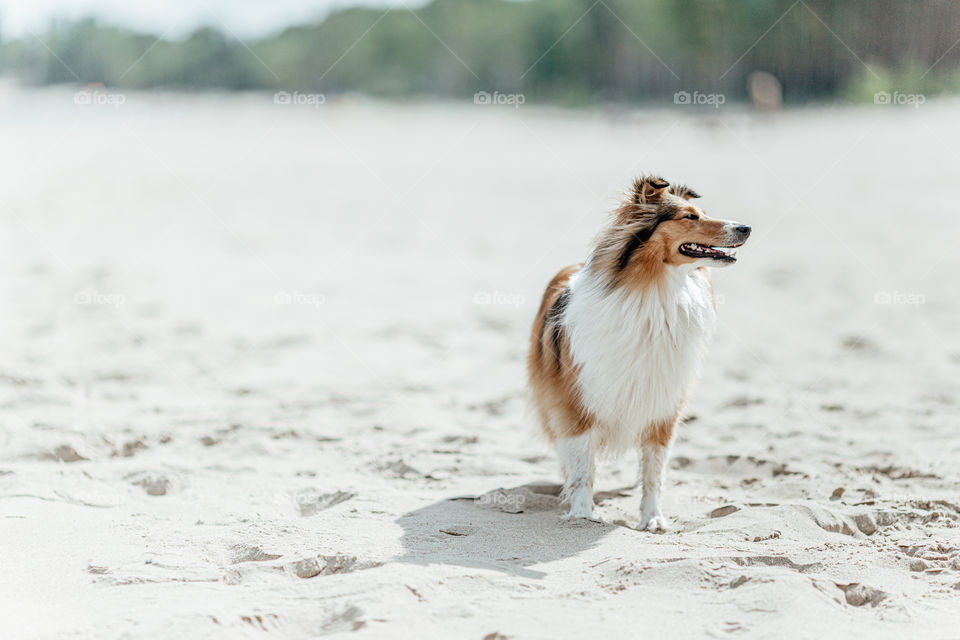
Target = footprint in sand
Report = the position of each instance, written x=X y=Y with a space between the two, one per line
x=725 y=510
x=742 y=401
x=896 y=473
x=350 y=619
x=64 y=453
x=860 y=345
x=129 y=449
x=857 y=594
x=304 y=568
x=262 y=622
x=250 y=553
x=932 y=558
x=154 y=483
x=327 y=565
x=400 y=469
x=311 y=502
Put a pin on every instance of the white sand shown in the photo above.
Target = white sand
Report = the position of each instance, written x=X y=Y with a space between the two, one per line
x=245 y=375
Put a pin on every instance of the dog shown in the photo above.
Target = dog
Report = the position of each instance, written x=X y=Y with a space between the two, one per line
x=618 y=340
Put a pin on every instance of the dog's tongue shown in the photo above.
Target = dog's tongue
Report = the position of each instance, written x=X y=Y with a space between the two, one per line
x=705 y=251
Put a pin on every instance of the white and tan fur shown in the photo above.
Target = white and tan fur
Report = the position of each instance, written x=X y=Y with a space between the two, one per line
x=619 y=340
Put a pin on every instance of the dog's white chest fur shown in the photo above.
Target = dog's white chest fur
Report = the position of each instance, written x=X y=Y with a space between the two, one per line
x=637 y=354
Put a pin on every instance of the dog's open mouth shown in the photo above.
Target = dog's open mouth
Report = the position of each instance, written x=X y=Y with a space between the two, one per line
x=723 y=254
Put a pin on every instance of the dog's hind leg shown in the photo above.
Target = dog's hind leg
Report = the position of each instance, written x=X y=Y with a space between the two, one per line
x=654 y=452
x=576 y=456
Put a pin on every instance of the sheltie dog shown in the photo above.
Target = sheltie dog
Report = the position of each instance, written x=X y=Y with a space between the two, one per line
x=618 y=340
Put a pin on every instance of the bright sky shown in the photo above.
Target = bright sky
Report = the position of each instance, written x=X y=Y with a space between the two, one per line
x=246 y=18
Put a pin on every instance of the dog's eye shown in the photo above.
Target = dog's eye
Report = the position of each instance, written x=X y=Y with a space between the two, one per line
x=693 y=216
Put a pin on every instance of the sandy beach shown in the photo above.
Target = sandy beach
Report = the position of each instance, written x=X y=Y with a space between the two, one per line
x=262 y=373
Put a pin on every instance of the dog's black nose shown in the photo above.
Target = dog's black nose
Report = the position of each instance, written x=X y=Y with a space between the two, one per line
x=743 y=228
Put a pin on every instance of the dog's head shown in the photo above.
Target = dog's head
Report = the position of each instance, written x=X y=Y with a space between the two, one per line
x=658 y=225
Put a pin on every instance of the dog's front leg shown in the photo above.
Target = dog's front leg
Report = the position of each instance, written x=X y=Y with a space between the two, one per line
x=576 y=457
x=654 y=452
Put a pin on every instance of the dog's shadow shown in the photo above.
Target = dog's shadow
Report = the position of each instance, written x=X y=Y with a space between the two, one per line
x=507 y=530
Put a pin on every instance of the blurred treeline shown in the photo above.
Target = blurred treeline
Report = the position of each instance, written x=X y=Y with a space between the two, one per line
x=558 y=50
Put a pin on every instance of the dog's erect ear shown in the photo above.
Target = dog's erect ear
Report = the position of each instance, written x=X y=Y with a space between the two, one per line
x=685 y=192
x=649 y=189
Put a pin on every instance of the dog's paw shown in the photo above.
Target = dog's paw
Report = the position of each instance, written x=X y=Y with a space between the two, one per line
x=578 y=514
x=654 y=523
